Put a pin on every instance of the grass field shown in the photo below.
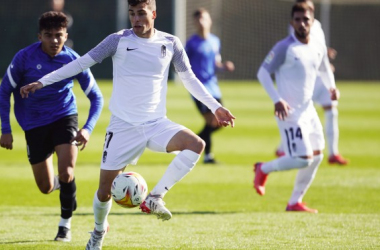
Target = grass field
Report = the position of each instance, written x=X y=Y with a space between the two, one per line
x=215 y=207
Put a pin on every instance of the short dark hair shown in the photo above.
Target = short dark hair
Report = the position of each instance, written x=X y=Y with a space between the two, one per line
x=198 y=12
x=301 y=7
x=52 y=20
x=150 y=3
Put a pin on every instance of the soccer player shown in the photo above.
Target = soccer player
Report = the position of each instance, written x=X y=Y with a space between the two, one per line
x=203 y=50
x=141 y=59
x=296 y=62
x=321 y=96
x=49 y=117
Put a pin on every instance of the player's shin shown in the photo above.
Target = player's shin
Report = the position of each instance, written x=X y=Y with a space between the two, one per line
x=181 y=165
x=304 y=179
x=101 y=211
x=332 y=130
x=67 y=197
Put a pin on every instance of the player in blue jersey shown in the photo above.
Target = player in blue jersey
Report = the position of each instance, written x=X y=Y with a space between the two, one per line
x=49 y=117
x=203 y=50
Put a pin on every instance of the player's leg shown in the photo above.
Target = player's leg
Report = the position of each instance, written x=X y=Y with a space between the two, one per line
x=332 y=135
x=211 y=125
x=171 y=137
x=298 y=153
x=40 y=148
x=64 y=130
x=322 y=96
x=306 y=175
x=123 y=145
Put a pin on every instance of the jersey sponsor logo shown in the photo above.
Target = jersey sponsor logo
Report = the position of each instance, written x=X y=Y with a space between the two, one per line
x=128 y=49
x=269 y=57
x=39 y=66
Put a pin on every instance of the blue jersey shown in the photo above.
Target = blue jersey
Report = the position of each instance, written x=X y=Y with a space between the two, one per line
x=50 y=103
x=202 y=54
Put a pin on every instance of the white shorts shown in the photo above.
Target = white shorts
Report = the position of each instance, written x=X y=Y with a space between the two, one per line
x=322 y=95
x=301 y=137
x=124 y=142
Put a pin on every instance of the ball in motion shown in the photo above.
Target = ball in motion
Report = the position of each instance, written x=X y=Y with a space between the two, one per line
x=129 y=189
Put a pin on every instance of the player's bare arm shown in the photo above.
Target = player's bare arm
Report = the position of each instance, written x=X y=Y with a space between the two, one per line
x=224 y=117
x=6 y=141
x=30 y=88
x=281 y=109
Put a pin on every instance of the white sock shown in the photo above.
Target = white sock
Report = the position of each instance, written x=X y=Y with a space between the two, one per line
x=65 y=223
x=56 y=183
x=285 y=163
x=101 y=211
x=332 y=130
x=304 y=179
x=181 y=165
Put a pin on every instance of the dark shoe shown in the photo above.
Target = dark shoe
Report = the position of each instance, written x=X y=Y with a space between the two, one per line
x=64 y=234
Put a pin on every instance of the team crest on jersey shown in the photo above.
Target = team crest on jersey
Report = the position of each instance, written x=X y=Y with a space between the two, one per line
x=39 y=66
x=269 y=57
x=163 y=51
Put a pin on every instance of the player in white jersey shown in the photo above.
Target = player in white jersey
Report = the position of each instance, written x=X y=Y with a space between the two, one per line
x=322 y=97
x=296 y=62
x=141 y=60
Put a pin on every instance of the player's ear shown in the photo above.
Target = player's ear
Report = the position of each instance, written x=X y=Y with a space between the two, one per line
x=154 y=14
x=39 y=36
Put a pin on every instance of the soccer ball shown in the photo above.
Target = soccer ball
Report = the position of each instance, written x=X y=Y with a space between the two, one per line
x=129 y=189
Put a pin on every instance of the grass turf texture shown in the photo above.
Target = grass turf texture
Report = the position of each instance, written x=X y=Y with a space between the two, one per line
x=215 y=207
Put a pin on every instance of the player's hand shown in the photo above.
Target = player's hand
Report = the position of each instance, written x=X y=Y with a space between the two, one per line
x=6 y=141
x=331 y=53
x=81 y=139
x=335 y=94
x=224 y=117
x=30 y=88
x=229 y=66
x=281 y=109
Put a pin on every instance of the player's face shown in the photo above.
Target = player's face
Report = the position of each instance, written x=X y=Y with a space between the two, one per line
x=302 y=22
x=142 y=20
x=53 y=40
x=203 y=22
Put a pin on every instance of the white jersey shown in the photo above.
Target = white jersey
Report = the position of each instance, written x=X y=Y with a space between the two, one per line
x=296 y=66
x=140 y=74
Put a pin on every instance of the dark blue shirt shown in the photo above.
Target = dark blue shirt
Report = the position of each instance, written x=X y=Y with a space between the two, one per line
x=202 y=54
x=51 y=102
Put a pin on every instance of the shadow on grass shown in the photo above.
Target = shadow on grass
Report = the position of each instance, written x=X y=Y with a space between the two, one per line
x=141 y=213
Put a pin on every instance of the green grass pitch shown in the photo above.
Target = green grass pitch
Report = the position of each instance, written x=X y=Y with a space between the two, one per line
x=215 y=207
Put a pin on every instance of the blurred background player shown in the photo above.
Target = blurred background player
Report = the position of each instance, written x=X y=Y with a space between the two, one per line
x=59 y=6
x=203 y=50
x=321 y=96
x=49 y=118
x=296 y=62
x=141 y=57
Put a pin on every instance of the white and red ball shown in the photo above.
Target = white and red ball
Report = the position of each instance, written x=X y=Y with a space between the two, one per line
x=129 y=189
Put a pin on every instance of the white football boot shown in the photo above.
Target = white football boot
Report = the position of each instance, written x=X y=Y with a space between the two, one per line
x=154 y=204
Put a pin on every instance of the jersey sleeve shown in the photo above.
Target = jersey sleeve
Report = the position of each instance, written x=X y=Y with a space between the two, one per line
x=105 y=48
x=275 y=58
x=93 y=93
x=10 y=82
x=180 y=60
x=325 y=71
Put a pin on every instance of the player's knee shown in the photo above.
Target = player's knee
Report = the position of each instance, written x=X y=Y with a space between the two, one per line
x=104 y=195
x=67 y=175
x=199 y=146
x=302 y=162
x=45 y=187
